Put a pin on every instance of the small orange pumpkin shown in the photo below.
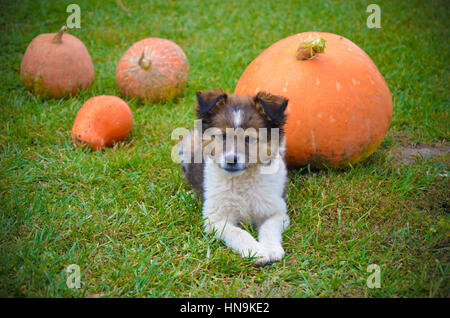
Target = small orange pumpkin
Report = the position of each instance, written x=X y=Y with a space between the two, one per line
x=153 y=69
x=339 y=104
x=55 y=65
x=102 y=121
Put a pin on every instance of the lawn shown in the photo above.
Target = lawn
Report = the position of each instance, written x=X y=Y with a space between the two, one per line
x=132 y=224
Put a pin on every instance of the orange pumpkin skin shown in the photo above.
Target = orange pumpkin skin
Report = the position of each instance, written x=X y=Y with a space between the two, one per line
x=56 y=70
x=102 y=121
x=339 y=106
x=153 y=69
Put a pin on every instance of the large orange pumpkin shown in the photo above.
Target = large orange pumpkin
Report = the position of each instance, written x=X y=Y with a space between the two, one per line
x=102 y=121
x=56 y=65
x=153 y=69
x=339 y=104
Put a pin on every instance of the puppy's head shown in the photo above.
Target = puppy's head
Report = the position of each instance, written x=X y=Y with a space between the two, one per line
x=245 y=131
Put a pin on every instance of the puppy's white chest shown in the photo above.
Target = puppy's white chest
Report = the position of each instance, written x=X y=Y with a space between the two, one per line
x=253 y=196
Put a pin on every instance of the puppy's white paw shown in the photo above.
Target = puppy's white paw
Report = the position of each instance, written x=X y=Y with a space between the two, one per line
x=270 y=254
x=262 y=260
x=275 y=253
x=258 y=252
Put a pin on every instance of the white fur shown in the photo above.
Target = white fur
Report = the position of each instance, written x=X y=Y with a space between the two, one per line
x=254 y=195
x=237 y=118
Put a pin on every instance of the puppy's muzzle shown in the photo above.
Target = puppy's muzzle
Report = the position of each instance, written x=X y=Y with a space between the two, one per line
x=232 y=165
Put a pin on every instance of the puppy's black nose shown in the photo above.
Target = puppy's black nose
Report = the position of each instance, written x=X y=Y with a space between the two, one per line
x=232 y=163
x=231 y=160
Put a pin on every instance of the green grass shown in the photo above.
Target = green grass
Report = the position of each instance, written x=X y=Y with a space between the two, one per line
x=134 y=226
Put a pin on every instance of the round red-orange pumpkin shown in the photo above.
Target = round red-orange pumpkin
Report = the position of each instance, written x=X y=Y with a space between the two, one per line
x=56 y=65
x=102 y=121
x=339 y=106
x=153 y=69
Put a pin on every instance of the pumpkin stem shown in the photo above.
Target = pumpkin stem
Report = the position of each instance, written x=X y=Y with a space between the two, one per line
x=58 y=37
x=309 y=48
x=144 y=63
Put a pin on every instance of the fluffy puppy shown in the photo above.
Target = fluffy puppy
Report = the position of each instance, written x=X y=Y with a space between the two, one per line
x=235 y=161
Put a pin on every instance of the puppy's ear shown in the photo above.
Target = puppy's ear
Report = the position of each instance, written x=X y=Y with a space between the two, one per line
x=273 y=106
x=210 y=100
